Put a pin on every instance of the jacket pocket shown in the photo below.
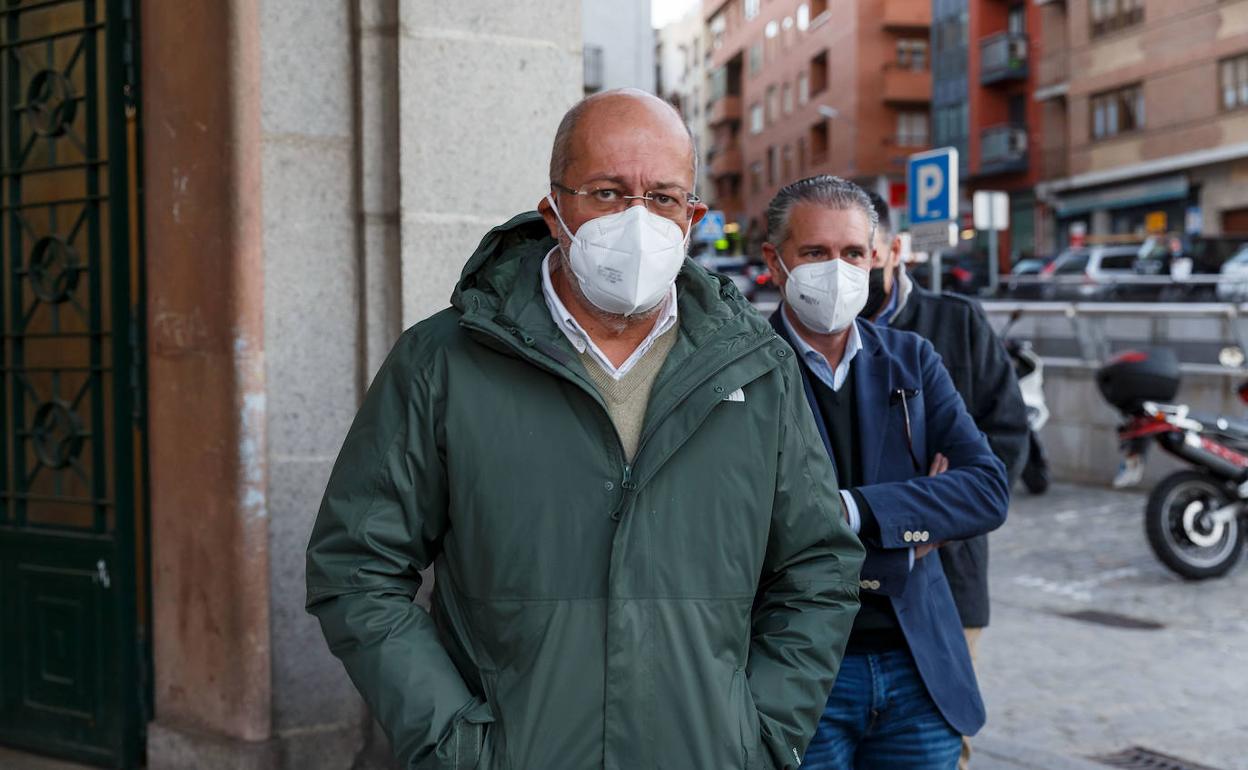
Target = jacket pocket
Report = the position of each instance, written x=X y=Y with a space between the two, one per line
x=494 y=746
x=747 y=716
x=465 y=746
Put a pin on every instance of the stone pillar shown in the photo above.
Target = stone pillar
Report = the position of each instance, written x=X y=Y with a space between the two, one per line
x=207 y=424
x=315 y=178
x=482 y=86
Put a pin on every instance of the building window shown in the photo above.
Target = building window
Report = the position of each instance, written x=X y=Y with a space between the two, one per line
x=803 y=17
x=718 y=26
x=756 y=118
x=820 y=143
x=801 y=156
x=1234 y=82
x=756 y=177
x=751 y=8
x=1113 y=15
x=593 y=68
x=818 y=8
x=787 y=173
x=788 y=99
x=772 y=29
x=773 y=105
x=912 y=54
x=912 y=129
x=803 y=88
x=1117 y=112
x=756 y=58
x=773 y=156
x=819 y=74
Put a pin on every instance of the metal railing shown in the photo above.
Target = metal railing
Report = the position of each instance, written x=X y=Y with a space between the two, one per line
x=1095 y=342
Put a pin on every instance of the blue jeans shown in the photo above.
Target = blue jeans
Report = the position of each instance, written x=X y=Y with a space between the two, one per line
x=880 y=717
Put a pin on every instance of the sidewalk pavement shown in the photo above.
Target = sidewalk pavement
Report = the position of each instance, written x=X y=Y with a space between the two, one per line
x=992 y=752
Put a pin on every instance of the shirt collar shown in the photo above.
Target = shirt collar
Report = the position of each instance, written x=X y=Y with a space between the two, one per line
x=581 y=340
x=901 y=292
x=816 y=361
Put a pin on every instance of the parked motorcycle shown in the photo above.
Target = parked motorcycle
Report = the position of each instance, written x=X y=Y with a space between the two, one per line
x=1029 y=369
x=1195 y=518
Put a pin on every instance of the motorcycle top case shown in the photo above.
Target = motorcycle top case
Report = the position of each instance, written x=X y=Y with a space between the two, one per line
x=1135 y=376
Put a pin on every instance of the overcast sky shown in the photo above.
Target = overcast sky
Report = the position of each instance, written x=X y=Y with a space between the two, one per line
x=664 y=12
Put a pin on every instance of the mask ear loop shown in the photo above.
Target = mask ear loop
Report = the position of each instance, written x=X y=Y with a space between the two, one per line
x=559 y=217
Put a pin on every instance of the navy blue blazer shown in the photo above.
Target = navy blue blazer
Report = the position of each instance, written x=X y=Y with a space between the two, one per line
x=911 y=508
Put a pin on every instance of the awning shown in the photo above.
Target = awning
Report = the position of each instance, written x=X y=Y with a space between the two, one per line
x=1124 y=196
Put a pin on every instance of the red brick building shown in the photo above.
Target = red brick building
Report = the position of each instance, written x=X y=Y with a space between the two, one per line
x=801 y=88
x=1004 y=132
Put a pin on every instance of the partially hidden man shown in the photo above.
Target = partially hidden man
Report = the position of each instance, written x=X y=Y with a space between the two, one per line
x=914 y=472
x=642 y=560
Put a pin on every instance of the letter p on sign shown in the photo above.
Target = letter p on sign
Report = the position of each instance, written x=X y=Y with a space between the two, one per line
x=931 y=182
x=933 y=186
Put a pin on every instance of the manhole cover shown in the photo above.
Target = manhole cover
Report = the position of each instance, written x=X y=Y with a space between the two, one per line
x=1140 y=758
x=1115 y=620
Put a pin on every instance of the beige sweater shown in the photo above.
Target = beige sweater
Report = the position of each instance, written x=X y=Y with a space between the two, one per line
x=628 y=397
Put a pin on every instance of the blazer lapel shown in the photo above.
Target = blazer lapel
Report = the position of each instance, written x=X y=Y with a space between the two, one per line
x=873 y=388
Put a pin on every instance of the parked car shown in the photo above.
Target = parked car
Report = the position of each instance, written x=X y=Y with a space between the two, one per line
x=960 y=272
x=1091 y=273
x=1205 y=257
x=1233 y=279
x=1023 y=281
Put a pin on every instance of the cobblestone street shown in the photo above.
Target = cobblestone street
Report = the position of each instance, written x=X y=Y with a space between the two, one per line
x=1080 y=687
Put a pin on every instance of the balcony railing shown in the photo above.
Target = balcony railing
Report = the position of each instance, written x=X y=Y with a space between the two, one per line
x=1002 y=57
x=725 y=108
x=1003 y=150
x=907 y=14
x=907 y=86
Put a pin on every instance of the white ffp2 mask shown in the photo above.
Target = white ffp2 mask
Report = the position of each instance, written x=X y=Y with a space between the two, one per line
x=625 y=262
x=826 y=296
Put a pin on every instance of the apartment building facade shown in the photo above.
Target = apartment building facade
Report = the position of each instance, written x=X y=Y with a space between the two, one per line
x=801 y=88
x=1002 y=147
x=681 y=79
x=1143 y=117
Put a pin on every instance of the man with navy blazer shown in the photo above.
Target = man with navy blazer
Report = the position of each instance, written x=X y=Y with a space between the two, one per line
x=915 y=472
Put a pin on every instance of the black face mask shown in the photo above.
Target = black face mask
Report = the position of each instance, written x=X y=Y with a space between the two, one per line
x=876 y=296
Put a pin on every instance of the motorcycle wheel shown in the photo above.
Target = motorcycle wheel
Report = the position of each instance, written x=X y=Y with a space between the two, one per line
x=1036 y=470
x=1180 y=532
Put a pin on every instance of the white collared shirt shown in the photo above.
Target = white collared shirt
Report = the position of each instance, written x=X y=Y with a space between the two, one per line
x=581 y=340
x=817 y=362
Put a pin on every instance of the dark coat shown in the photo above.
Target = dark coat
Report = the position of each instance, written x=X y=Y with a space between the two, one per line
x=983 y=375
x=687 y=608
x=905 y=507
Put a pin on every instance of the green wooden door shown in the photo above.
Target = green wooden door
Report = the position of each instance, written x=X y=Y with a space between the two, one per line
x=72 y=610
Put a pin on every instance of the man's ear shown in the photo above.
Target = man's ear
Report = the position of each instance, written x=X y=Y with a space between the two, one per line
x=548 y=213
x=771 y=256
x=699 y=211
x=894 y=253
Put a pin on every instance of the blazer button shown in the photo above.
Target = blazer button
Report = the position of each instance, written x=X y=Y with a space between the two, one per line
x=864 y=583
x=875 y=585
x=926 y=536
x=908 y=537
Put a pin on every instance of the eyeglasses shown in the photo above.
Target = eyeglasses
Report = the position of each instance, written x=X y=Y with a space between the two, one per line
x=672 y=203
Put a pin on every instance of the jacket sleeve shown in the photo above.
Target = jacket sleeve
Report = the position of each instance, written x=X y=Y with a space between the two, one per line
x=969 y=499
x=997 y=404
x=380 y=522
x=808 y=591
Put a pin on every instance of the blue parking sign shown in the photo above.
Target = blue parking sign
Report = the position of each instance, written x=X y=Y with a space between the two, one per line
x=932 y=182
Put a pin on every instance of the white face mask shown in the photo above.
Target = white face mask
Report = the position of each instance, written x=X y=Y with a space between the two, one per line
x=625 y=262
x=826 y=296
